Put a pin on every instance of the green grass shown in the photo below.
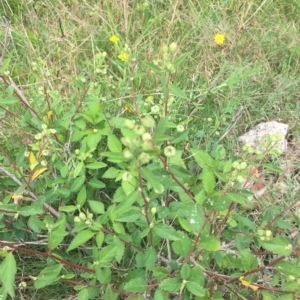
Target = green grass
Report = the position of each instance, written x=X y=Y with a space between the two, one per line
x=257 y=68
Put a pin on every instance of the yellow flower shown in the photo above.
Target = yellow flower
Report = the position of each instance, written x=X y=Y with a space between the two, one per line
x=114 y=39
x=123 y=57
x=219 y=39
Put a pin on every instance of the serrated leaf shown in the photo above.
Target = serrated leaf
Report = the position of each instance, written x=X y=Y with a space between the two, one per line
x=170 y=285
x=183 y=246
x=249 y=261
x=8 y=270
x=236 y=198
x=202 y=158
x=160 y=273
x=279 y=245
x=96 y=165
x=166 y=232
x=80 y=239
x=109 y=294
x=288 y=268
x=106 y=255
x=137 y=285
x=111 y=173
x=93 y=139
x=209 y=243
x=68 y=208
x=195 y=288
x=30 y=210
x=95 y=183
x=47 y=276
x=113 y=143
x=77 y=184
x=151 y=178
x=78 y=169
x=81 y=197
x=130 y=215
x=97 y=207
x=209 y=181
x=185 y=272
x=83 y=295
x=150 y=258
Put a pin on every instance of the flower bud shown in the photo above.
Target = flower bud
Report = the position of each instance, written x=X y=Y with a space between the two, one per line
x=173 y=47
x=169 y=151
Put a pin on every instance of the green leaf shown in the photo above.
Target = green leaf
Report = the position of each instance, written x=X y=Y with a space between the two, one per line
x=97 y=207
x=236 y=198
x=130 y=215
x=9 y=100
x=151 y=178
x=103 y=275
x=180 y=136
x=78 y=169
x=126 y=204
x=160 y=295
x=177 y=91
x=288 y=268
x=137 y=285
x=196 y=218
x=93 y=139
x=160 y=273
x=47 y=276
x=209 y=181
x=96 y=165
x=166 y=232
x=170 y=285
x=80 y=239
x=77 y=184
x=153 y=67
x=150 y=258
x=97 y=184
x=83 y=295
x=195 y=288
x=100 y=238
x=268 y=295
x=209 y=243
x=26 y=211
x=5 y=65
x=159 y=134
x=248 y=260
x=279 y=245
x=202 y=158
x=111 y=173
x=183 y=246
x=8 y=270
x=113 y=143
x=227 y=166
x=68 y=208
x=109 y=294
x=81 y=197
x=106 y=255
x=273 y=168
x=185 y=272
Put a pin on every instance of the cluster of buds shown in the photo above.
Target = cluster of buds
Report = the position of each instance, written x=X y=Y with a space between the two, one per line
x=87 y=218
x=82 y=156
x=141 y=143
x=265 y=235
x=45 y=134
x=168 y=54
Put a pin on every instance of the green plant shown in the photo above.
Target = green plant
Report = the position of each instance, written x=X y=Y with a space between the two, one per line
x=121 y=190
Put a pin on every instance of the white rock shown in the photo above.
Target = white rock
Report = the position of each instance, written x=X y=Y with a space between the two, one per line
x=256 y=136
